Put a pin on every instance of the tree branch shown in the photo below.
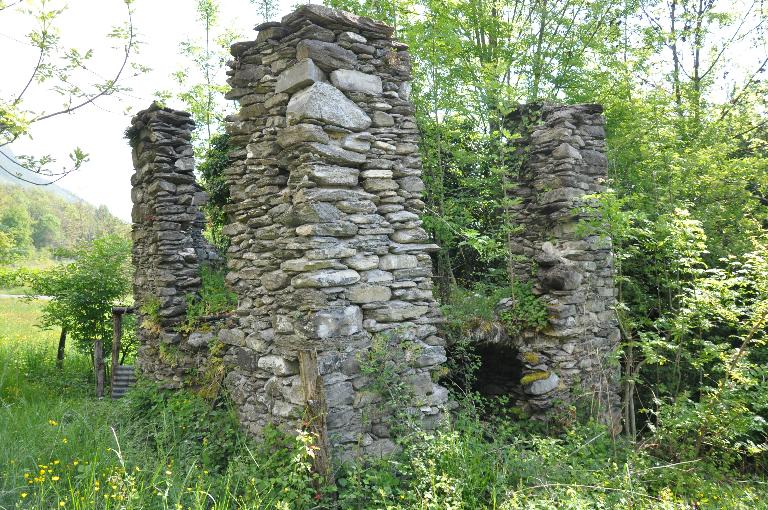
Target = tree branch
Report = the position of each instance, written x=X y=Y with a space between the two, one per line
x=735 y=101
x=4 y=7
x=111 y=84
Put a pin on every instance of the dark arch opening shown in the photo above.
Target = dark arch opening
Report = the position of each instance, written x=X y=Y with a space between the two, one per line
x=500 y=371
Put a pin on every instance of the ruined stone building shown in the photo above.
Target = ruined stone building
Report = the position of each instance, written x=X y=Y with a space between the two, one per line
x=328 y=258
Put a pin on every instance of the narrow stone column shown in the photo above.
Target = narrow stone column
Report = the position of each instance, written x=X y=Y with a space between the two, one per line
x=168 y=247
x=328 y=254
x=562 y=158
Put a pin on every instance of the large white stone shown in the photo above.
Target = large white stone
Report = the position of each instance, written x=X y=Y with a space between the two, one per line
x=326 y=278
x=337 y=155
x=338 y=322
x=368 y=293
x=389 y=262
x=300 y=75
x=396 y=311
x=543 y=386
x=325 y=103
x=301 y=133
x=355 y=81
x=332 y=175
x=278 y=365
x=383 y=119
x=328 y=56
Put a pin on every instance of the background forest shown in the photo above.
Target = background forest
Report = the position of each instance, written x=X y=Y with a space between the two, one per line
x=685 y=96
x=683 y=87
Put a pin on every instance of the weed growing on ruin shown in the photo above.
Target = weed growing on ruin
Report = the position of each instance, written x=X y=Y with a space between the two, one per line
x=384 y=364
x=214 y=372
x=524 y=311
x=476 y=309
x=150 y=313
x=213 y=299
x=170 y=355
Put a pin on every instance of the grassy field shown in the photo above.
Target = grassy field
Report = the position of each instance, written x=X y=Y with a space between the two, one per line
x=35 y=395
x=62 y=448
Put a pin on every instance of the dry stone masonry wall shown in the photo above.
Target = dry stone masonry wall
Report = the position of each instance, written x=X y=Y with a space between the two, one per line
x=168 y=247
x=562 y=159
x=328 y=254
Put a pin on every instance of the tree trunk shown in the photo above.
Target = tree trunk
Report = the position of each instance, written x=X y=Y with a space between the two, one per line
x=60 y=350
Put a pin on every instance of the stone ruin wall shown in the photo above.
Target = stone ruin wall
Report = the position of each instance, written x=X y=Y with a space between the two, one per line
x=561 y=156
x=328 y=255
x=168 y=246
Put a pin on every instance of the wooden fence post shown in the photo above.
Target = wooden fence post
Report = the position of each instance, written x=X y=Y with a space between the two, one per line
x=117 y=336
x=98 y=363
x=316 y=410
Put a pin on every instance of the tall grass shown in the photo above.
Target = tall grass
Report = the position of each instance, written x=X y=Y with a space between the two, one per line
x=61 y=448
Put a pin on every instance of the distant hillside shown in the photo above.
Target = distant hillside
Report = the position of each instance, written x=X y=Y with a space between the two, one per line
x=8 y=163
x=42 y=219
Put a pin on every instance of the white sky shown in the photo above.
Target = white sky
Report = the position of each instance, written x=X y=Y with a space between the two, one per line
x=98 y=130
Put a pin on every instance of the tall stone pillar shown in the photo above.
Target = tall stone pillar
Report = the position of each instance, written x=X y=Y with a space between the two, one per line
x=168 y=247
x=561 y=158
x=328 y=254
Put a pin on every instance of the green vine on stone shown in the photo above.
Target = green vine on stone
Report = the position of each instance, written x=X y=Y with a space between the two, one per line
x=384 y=364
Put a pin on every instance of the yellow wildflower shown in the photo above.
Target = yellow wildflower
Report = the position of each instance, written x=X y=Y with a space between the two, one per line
x=55 y=461
x=55 y=478
x=64 y=440
x=24 y=495
x=52 y=423
x=61 y=503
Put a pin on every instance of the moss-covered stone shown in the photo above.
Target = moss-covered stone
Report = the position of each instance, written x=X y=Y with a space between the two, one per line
x=538 y=375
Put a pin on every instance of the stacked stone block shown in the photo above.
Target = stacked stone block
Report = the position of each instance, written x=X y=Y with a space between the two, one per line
x=168 y=247
x=561 y=157
x=328 y=253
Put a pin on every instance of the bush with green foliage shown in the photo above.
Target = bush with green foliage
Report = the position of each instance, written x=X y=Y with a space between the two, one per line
x=84 y=291
x=477 y=308
x=211 y=168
